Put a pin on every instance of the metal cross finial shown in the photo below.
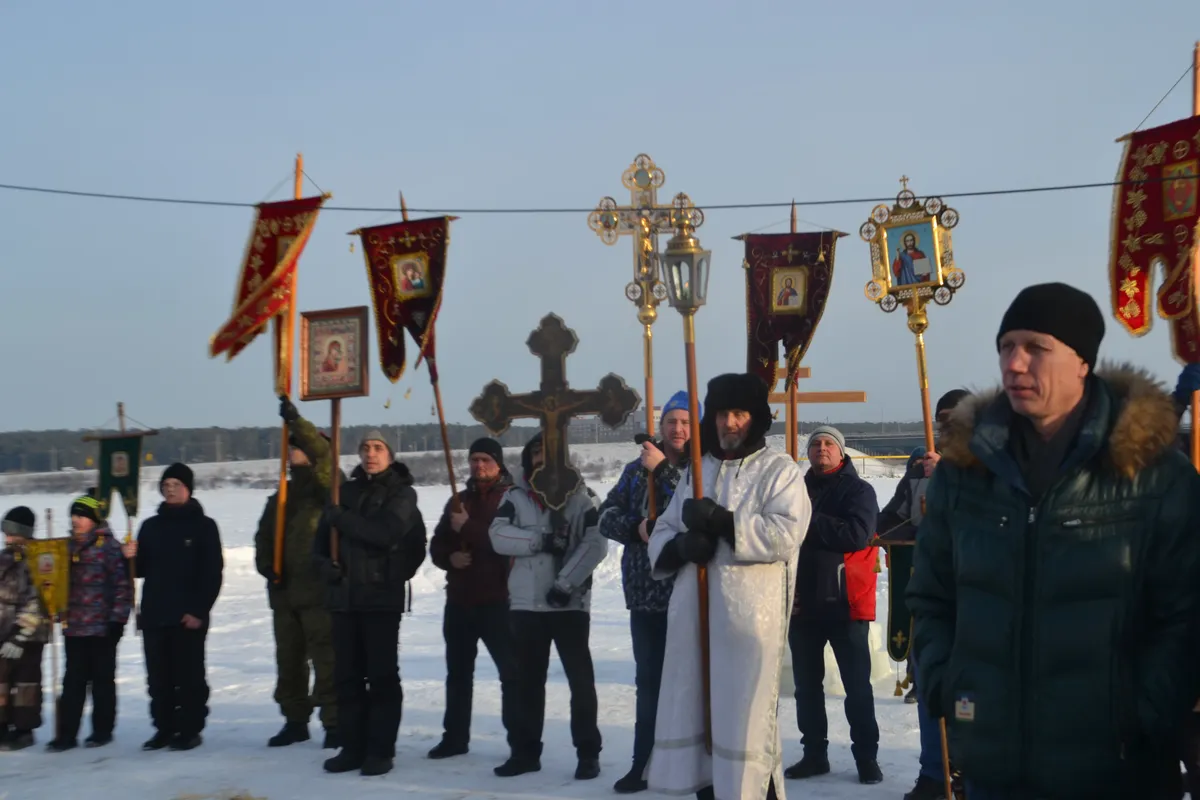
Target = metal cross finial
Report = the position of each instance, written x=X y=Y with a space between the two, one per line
x=904 y=181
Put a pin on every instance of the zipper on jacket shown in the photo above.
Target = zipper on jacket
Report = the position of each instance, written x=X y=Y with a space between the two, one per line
x=1026 y=635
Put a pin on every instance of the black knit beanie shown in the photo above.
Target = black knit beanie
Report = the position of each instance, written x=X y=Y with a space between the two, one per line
x=19 y=522
x=1061 y=311
x=181 y=473
x=489 y=447
x=950 y=399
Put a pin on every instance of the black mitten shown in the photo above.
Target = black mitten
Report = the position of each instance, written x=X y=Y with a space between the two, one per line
x=695 y=547
x=287 y=410
x=706 y=516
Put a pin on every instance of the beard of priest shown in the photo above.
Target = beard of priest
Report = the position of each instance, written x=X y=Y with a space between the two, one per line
x=747 y=529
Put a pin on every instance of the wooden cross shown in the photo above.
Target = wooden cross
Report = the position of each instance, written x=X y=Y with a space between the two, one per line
x=791 y=399
x=553 y=405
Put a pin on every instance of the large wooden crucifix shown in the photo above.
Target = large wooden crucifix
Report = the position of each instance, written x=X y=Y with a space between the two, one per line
x=553 y=405
x=791 y=399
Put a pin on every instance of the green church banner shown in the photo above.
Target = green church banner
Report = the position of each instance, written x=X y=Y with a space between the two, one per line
x=120 y=460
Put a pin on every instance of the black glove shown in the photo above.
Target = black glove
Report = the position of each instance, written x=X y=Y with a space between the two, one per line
x=287 y=410
x=557 y=598
x=554 y=542
x=706 y=516
x=695 y=547
x=272 y=578
x=331 y=572
x=333 y=514
x=116 y=630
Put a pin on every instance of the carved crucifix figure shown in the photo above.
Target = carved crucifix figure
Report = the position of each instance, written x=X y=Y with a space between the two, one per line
x=554 y=404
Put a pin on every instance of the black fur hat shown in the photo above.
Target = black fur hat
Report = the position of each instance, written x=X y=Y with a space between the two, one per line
x=733 y=390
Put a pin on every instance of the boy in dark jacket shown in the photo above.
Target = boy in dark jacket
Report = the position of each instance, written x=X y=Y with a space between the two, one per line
x=381 y=543
x=178 y=553
x=98 y=608
x=301 y=621
x=476 y=596
x=24 y=630
x=835 y=603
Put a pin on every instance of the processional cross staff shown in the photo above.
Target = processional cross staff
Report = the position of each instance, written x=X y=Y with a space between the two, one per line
x=643 y=219
x=931 y=222
x=553 y=404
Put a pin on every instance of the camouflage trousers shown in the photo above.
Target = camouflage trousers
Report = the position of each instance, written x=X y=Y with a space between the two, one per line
x=304 y=636
x=21 y=690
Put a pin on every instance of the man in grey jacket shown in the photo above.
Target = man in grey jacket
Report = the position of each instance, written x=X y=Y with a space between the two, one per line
x=549 y=595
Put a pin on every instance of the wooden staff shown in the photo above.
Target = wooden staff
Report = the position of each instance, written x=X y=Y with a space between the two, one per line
x=335 y=448
x=791 y=424
x=132 y=562
x=1196 y=266
x=285 y=326
x=431 y=363
x=689 y=347
x=54 y=633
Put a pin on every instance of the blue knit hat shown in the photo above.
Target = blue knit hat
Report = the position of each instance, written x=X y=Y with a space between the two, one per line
x=679 y=402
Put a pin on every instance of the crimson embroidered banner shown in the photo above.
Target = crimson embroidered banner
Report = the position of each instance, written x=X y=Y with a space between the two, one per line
x=264 y=289
x=1154 y=221
x=788 y=276
x=406 y=267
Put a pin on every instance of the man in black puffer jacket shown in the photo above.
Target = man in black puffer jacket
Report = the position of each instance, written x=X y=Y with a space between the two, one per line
x=381 y=543
x=178 y=556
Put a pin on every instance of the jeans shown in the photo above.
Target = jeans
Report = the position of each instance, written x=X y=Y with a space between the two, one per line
x=931 y=741
x=648 y=630
x=463 y=627
x=807 y=640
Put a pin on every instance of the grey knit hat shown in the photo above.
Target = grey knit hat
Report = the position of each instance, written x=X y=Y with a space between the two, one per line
x=19 y=522
x=830 y=432
x=376 y=435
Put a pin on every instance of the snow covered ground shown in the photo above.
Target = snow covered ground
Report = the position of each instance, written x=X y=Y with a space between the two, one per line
x=234 y=758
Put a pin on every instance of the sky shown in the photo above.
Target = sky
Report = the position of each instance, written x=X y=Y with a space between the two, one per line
x=541 y=103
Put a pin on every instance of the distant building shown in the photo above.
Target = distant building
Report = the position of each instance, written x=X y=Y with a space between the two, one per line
x=590 y=430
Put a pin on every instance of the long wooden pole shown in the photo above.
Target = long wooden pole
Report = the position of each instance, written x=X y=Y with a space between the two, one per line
x=287 y=325
x=1196 y=265
x=54 y=632
x=792 y=424
x=137 y=615
x=335 y=485
x=648 y=361
x=689 y=347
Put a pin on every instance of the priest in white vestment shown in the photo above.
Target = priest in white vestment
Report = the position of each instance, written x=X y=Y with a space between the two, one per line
x=748 y=529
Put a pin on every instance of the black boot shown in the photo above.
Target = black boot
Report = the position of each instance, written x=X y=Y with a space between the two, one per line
x=291 y=733
x=518 y=765
x=184 y=742
x=344 y=761
x=62 y=745
x=17 y=740
x=633 y=782
x=927 y=789
x=332 y=740
x=157 y=742
x=376 y=765
x=869 y=771
x=97 y=740
x=445 y=749
x=587 y=769
x=811 y=765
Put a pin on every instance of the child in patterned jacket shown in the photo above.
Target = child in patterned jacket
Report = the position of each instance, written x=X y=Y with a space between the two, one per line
x=101 y=595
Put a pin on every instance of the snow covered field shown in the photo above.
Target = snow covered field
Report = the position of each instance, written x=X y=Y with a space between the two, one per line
x=234 y=758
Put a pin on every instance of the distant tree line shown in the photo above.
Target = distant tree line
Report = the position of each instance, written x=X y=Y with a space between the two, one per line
x=55 y=450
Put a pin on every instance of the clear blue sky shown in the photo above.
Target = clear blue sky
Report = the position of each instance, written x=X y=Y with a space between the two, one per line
x=543 y=104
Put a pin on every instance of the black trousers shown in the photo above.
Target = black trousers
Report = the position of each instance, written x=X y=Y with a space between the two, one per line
x=91 y=661
x=807 y=640
x=21 y=690
x=463 y=627
x=533 y=632
x=366 y=679
x=176 y=679
x=648 y=631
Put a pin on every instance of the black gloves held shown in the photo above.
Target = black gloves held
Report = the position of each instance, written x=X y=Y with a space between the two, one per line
x=557 y=598
x=705 y=516
x=287 y=410
x=555 y=542
x=695 y=547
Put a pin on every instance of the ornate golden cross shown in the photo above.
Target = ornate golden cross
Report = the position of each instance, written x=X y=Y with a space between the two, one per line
x=553 y=405
x=904 y=181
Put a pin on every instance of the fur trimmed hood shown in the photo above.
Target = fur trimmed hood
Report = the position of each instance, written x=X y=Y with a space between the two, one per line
x=1145 y=424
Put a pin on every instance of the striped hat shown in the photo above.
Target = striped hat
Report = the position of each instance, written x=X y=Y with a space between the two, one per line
x=86 y=506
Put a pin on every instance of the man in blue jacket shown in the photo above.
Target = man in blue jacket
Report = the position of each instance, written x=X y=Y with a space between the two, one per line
x=625 y=519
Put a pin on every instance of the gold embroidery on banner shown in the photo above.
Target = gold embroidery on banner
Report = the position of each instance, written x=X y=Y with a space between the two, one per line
x=1130 y=309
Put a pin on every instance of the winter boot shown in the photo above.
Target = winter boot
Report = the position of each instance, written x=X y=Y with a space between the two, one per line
x=97 y=740
x=292 y=733
x=17 y=740
x=869 y=772
x=633 y=782
x=810 y=766
x=587 y=769
x=445 y=749
x=332 y=740
x=927 y=788
x=183 y=742
x=518 y=765
x=376 y=765
x=911 y=697
x=62 y=745
x=157 y=742
x=344 y=761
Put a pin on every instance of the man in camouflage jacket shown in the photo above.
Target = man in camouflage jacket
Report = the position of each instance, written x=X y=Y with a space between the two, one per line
x=24 y=630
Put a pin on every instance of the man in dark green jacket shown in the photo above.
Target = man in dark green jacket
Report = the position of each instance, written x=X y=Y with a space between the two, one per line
x=1057 y=574
x=302 y=626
